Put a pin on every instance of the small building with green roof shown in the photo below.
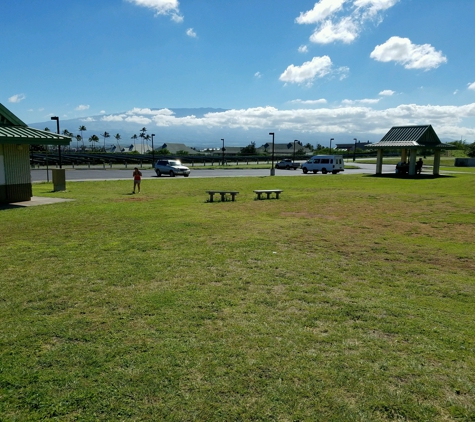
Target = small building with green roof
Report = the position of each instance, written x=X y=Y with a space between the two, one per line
x=410 y=140
x=15 y=140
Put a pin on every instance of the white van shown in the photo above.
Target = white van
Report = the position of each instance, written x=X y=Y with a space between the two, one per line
x=324 y=163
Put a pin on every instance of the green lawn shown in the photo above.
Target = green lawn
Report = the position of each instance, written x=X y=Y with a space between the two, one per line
x=351 y=298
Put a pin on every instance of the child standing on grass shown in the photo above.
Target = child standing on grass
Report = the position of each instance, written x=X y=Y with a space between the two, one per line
x=137 y=178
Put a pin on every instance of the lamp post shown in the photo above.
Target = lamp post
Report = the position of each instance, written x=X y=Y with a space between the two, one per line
x=354 y=150
x=223 y=149
x=272 y=169
x=59 y=146
x=153 y=151
x=293 y=159
x=331 y=139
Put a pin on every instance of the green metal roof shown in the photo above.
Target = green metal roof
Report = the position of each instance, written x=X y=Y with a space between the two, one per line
x=411 y=137
x=14 y=131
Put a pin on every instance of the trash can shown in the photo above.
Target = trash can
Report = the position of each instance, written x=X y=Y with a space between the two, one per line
x=59 y=179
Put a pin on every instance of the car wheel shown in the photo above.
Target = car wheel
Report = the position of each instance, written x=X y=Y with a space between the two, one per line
x=315 y=172
x=186 y=175
x=158 y=173
x=324 y=171
x=305 y=170
x=172 y=173
x=334 y=172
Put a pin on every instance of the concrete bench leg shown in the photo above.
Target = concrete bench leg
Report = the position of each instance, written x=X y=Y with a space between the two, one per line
x=223 y=197
x=268 y=195
x=233 y=195
x=211 y=197
x=277 y=195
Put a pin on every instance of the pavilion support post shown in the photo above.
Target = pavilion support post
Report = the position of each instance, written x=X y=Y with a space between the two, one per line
x=404 y=155
x=379 y=161
x=412 y=162
x=436 y=168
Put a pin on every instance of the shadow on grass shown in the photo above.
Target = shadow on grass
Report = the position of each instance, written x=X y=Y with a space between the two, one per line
x=405 y=176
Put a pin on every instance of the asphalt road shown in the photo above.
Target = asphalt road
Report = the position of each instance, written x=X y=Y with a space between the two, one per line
x=39 y=175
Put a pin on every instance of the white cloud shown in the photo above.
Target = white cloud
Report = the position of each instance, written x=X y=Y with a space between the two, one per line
x=386 y=93
x=345 y=31
x=303 y=49
x=102 y=112
x=258 y=75
x=471 y=86
x=342 y=20
x=162 y=7
x=82 y=107
x=412 y=56
x=321 y=10
x=309 y=102
x=113 y=118
x=191 y=33
x=317 y=67
x=16 y=98
x=350 y=118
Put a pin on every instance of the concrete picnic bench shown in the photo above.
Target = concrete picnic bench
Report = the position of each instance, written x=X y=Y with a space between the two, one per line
x=268 y=192
x=223 y=194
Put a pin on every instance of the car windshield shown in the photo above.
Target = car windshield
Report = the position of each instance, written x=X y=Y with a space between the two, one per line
x=174 y=163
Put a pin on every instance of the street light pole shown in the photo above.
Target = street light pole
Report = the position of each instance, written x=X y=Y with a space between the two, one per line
x=293 y=159
x=331 y=139
x=272 y=169
x=153 y=151
x=354 y=150
x=59 y=146
x=223 y=149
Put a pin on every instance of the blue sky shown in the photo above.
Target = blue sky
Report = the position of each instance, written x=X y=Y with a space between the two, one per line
x=344 y=68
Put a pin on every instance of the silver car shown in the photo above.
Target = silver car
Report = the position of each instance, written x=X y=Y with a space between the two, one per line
x=171 y=167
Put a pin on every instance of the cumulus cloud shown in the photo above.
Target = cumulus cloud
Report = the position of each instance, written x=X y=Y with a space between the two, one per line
x=411 y=56
x=345 y=31
x=342 y=20
x=346 y=119
x=257 y=75
x=308 y=71
x=303 y=49
x=161 y=7
x=471 y=86
x=82 y=107
x=88 y=119
x=16 y=98
x=321 y=10
x=387 y=93
x=191 y=33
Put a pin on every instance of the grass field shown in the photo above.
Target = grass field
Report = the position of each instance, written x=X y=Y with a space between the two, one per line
x=351 y=298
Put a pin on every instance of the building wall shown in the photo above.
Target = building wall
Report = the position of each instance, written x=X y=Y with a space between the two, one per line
x=15 y=176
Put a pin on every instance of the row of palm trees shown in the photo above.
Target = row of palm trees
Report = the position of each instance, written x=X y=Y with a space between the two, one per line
x=94 y=138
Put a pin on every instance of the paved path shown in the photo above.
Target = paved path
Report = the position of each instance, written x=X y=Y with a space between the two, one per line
x=39 y=175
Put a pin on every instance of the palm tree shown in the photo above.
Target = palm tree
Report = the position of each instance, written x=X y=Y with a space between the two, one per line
x=142 y=135
x=105 y=135
x=146 y=139
x=81 y=129
x=78 y=138
x=93 y=138
x=134 y=138
x=117 y=138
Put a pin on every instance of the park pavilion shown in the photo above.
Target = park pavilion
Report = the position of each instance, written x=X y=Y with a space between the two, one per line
x=15 y=140
x=410 y=140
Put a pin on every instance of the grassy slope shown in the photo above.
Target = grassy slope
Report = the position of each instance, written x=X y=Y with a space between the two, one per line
x=350 y=298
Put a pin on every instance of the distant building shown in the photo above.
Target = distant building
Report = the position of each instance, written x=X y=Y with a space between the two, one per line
x=351 y=147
